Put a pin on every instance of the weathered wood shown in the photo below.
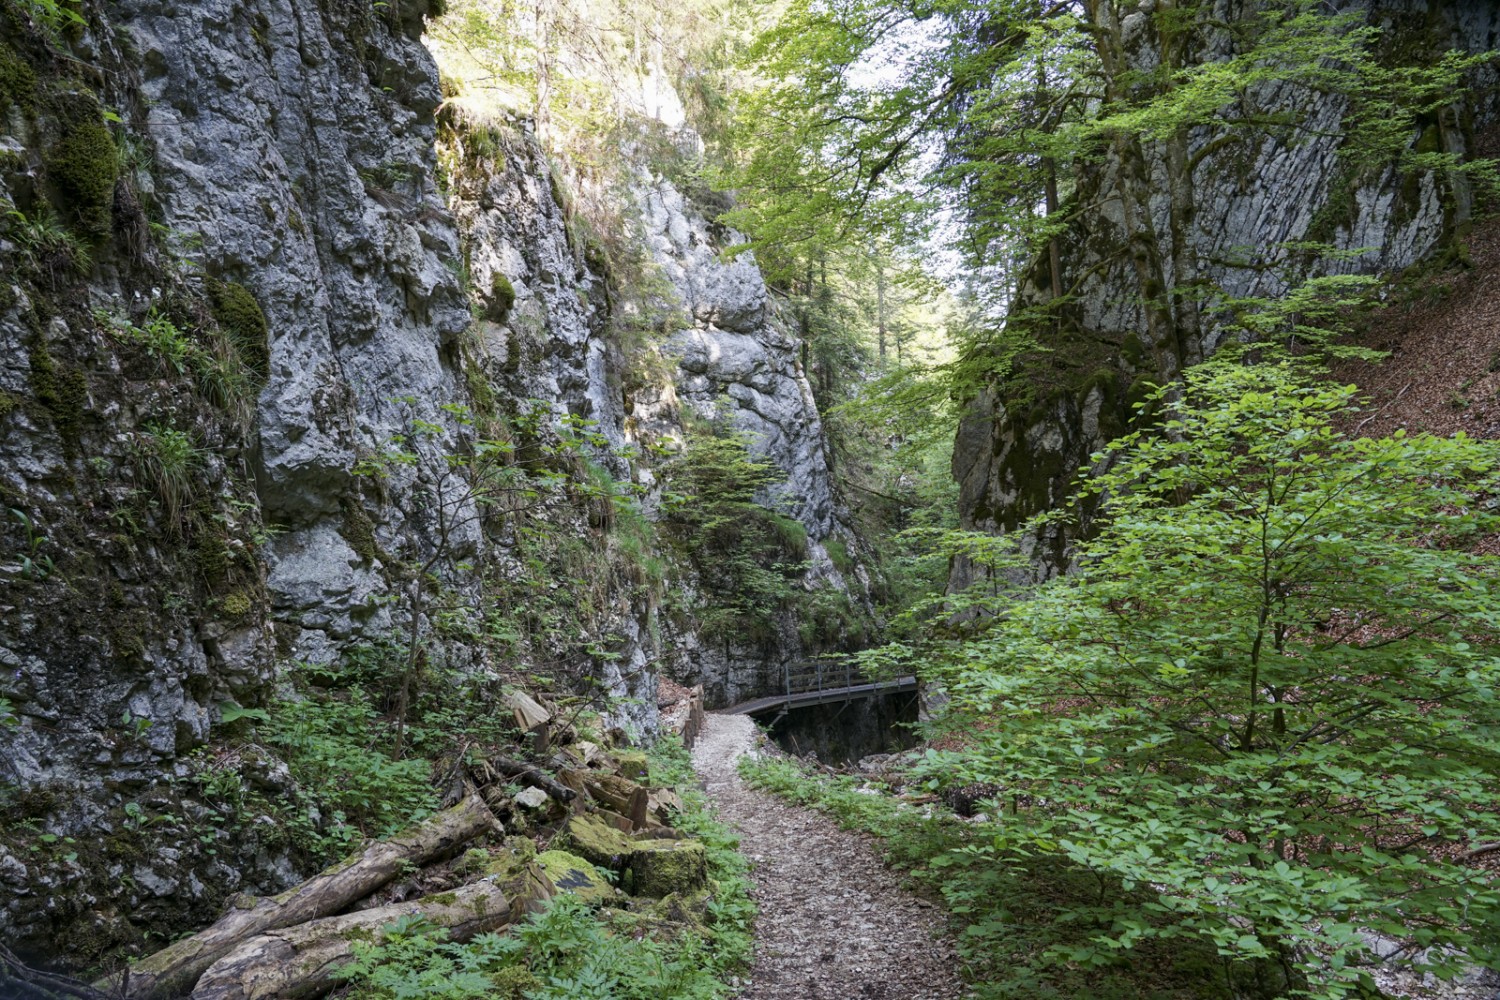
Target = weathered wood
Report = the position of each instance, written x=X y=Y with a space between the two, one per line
x=620 y=794
x=528 y=713
x=173 y=970
x=534 y=777
x=296 y=963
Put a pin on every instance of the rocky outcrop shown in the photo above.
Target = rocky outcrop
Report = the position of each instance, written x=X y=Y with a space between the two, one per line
x=244 y=336
x=738 y=353
x=1022 y=441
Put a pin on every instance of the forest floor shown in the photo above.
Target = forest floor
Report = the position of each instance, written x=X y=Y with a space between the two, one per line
x=834 y=924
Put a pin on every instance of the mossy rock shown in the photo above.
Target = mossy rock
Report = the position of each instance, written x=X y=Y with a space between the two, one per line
x=83 y=165
x=632 y=765
x=573 y=875
x=501 y=300
x=689 y=910
x=17 y=83
x=240 y=316
x=599 y=842
x=661 y=868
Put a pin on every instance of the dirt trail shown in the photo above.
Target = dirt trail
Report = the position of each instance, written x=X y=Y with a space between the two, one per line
x=834 y=925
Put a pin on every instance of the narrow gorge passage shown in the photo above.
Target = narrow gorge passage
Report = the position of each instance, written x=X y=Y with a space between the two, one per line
x=834 y=923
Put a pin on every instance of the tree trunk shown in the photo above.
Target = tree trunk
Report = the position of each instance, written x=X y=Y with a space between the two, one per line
x=300 y=962
x=173 y=970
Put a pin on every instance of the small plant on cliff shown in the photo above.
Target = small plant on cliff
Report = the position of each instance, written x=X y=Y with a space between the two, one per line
x=169 y=462
x=1266 y=698
x=47 y=247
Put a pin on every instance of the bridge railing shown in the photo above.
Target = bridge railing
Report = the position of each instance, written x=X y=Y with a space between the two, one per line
x=822 y=675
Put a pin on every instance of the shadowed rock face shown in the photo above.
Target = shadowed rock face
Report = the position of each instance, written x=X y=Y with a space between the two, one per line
x=1020 y=444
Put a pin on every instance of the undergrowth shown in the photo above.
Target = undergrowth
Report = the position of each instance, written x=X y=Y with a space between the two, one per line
x=1015 y=918
x=570 y=951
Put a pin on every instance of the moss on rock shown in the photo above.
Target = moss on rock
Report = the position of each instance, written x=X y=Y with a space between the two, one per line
x=502 y=298
x=632 y=765
x=17 y=82
x=599 y=842
x=240 y=316
x=83 y=165
x=661 y=868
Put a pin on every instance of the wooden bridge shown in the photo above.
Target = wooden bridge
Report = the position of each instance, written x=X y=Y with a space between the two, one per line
x=820 y=682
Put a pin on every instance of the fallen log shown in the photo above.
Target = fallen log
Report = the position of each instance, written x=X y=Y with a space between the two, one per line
x=533 y=777
x=173 y=970
x=297 y=963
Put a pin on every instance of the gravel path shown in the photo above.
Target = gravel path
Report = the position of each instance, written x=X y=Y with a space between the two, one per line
x=833 y=923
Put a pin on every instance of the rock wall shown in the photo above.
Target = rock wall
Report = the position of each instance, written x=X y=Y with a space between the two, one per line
x=1020 y=442
x=268 y=198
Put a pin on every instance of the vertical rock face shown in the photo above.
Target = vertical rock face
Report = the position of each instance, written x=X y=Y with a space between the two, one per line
x=1021 y=443
x=297 y=141
x=738 y=354
x=286 y=152
x=175 y=543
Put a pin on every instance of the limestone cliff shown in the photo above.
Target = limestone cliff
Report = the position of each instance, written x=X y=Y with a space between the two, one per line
x=255 y=310
x=1022 y=440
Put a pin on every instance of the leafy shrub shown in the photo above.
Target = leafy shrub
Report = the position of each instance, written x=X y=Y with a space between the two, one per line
x=1266 y=697
x=330 y=744
x=747 y=554
x=1009 y=911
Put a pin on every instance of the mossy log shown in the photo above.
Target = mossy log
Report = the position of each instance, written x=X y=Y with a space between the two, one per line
x=534 y=777
x=295 y=963
x=173 y=970
x=621 y=795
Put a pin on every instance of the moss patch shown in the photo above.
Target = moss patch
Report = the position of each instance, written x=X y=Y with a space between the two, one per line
x=62 y=392
x=632 y=765
x=501 y=300
x=83 y=165
x=573 y=875
x=359 y=530
x=599 y=842
x=240 y=316
x=17 y=82
x=660 y=868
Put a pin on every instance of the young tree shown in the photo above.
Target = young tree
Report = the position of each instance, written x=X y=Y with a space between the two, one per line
x=1267 y=697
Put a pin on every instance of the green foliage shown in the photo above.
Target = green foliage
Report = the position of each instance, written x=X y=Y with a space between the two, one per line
x=747 y=554
x=330 y=741
x=46 y=247
x=35 y=564
x=212 y=358
x=241 y=318
x=502 y=298
x=1268 y=692
x=1008 y=911
x=566 y=952
x=17 y=82
x=83 y=165
x=51 y=16
x=169 y=462
x=569 y=951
